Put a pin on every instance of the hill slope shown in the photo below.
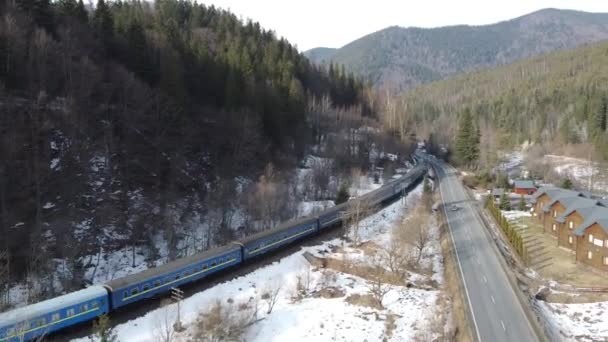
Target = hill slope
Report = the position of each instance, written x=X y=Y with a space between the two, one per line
x=405 y=57
x=558 y=98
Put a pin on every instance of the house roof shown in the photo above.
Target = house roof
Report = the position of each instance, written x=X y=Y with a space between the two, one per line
x=599 y=216
x=549 y=190
x=563 y=196
x=584 y=206
x=524 y=184
x=498 y=191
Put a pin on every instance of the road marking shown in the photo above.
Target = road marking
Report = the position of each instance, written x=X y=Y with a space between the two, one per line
x=492 y=298
x=503 y=325
x=485 y=280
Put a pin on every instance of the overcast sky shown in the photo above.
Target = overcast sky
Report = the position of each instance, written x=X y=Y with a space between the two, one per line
x=334 y=23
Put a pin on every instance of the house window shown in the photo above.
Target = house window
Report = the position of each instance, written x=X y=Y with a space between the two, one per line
x=589 y=255
x=606 y=260
x=56 y=317
x=570 y=239
x=554 y=227
x=571 y=224
x=591 y=238
x=554 y=213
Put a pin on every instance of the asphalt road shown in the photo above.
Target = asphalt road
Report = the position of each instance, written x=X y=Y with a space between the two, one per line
x=496 y=311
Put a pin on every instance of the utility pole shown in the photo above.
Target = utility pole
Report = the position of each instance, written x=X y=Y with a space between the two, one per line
x=178 y=296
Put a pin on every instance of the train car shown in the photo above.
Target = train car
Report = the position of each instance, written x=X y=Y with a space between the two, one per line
x=284 y=234
x=158 y=280
x=40 y=319
x=331 y=216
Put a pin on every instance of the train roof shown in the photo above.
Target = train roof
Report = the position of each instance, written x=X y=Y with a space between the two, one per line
x=168 y=267
x=280 y=227
x=32 y=311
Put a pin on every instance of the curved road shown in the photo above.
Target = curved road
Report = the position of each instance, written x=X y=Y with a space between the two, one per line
x=496 y=312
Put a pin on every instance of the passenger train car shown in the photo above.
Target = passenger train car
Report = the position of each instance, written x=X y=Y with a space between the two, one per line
x=43 y=318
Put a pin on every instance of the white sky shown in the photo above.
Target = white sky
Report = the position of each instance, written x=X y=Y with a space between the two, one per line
x=334 y=23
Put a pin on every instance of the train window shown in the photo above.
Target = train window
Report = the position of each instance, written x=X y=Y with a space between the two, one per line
x=39 y=322
x=125 y=295
x=84 y=308
x=25 y=326
x=156 y=283
x=205 y=267
x=213 y=264
x=176 y=276
x=10 y=332
x=95 y=305
x=71 y=312
x=134 y=291
x=56 y=317
x=146 y=287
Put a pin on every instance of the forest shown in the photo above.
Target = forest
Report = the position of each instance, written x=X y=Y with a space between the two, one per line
x=558 y=99
x=130 y=120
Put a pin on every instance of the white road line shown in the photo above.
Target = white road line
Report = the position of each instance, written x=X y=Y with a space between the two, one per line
x=485 y=280
x=492 y=298
x=503 y=325
x=464 y=281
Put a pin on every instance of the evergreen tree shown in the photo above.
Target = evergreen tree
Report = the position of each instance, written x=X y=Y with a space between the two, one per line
x=522 y=204
x=567 y=183
x=103 y=330
x=505 y=203
x=81 y=12
x=467 y=140
x=343 y=194
x=426 y=187
x=104 y=23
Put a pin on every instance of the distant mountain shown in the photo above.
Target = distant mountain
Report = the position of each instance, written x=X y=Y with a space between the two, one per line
x=320 y=54
x=405 y=57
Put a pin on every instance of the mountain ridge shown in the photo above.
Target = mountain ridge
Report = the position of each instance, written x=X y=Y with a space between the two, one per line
x=402 y=58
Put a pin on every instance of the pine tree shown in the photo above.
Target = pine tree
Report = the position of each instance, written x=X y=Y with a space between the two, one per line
x=103 y=330
x=104 y=22
x=426 y=187
x=467 y=140
x=81 y=12
x=567 y=183
x=522 y=204
x=343 y=194
x=505 y=203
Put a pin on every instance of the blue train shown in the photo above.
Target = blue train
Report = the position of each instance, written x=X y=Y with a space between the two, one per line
x=43 y=318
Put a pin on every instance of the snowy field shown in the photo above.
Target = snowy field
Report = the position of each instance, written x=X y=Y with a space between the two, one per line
x=580 y=171
x=405 y=316
x=579 y=322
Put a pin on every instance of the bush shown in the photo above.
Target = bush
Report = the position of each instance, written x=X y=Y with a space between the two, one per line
x=343 y=194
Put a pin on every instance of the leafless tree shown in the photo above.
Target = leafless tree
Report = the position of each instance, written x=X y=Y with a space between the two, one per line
x=357 y=209
x=271 y=294
x=165 y=318
x=225 y=322
x=417 y=227
x=378 y=286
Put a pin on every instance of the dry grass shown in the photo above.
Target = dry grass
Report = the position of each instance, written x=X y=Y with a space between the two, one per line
x=365 y=300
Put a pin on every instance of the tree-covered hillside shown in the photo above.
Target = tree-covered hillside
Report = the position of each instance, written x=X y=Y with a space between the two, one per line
x=127 y=121
x=402 y=58
x=559 y=98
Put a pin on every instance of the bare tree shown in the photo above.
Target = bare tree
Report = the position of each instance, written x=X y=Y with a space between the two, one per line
x=378 y=285
x=225 y=322
x=165 y=318
x=356 y=211
x=415 y=231
x=271 y=294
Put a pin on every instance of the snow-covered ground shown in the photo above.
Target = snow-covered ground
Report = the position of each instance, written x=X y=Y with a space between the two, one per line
x=407 y=312
x=579 y=322
x=580 y=171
